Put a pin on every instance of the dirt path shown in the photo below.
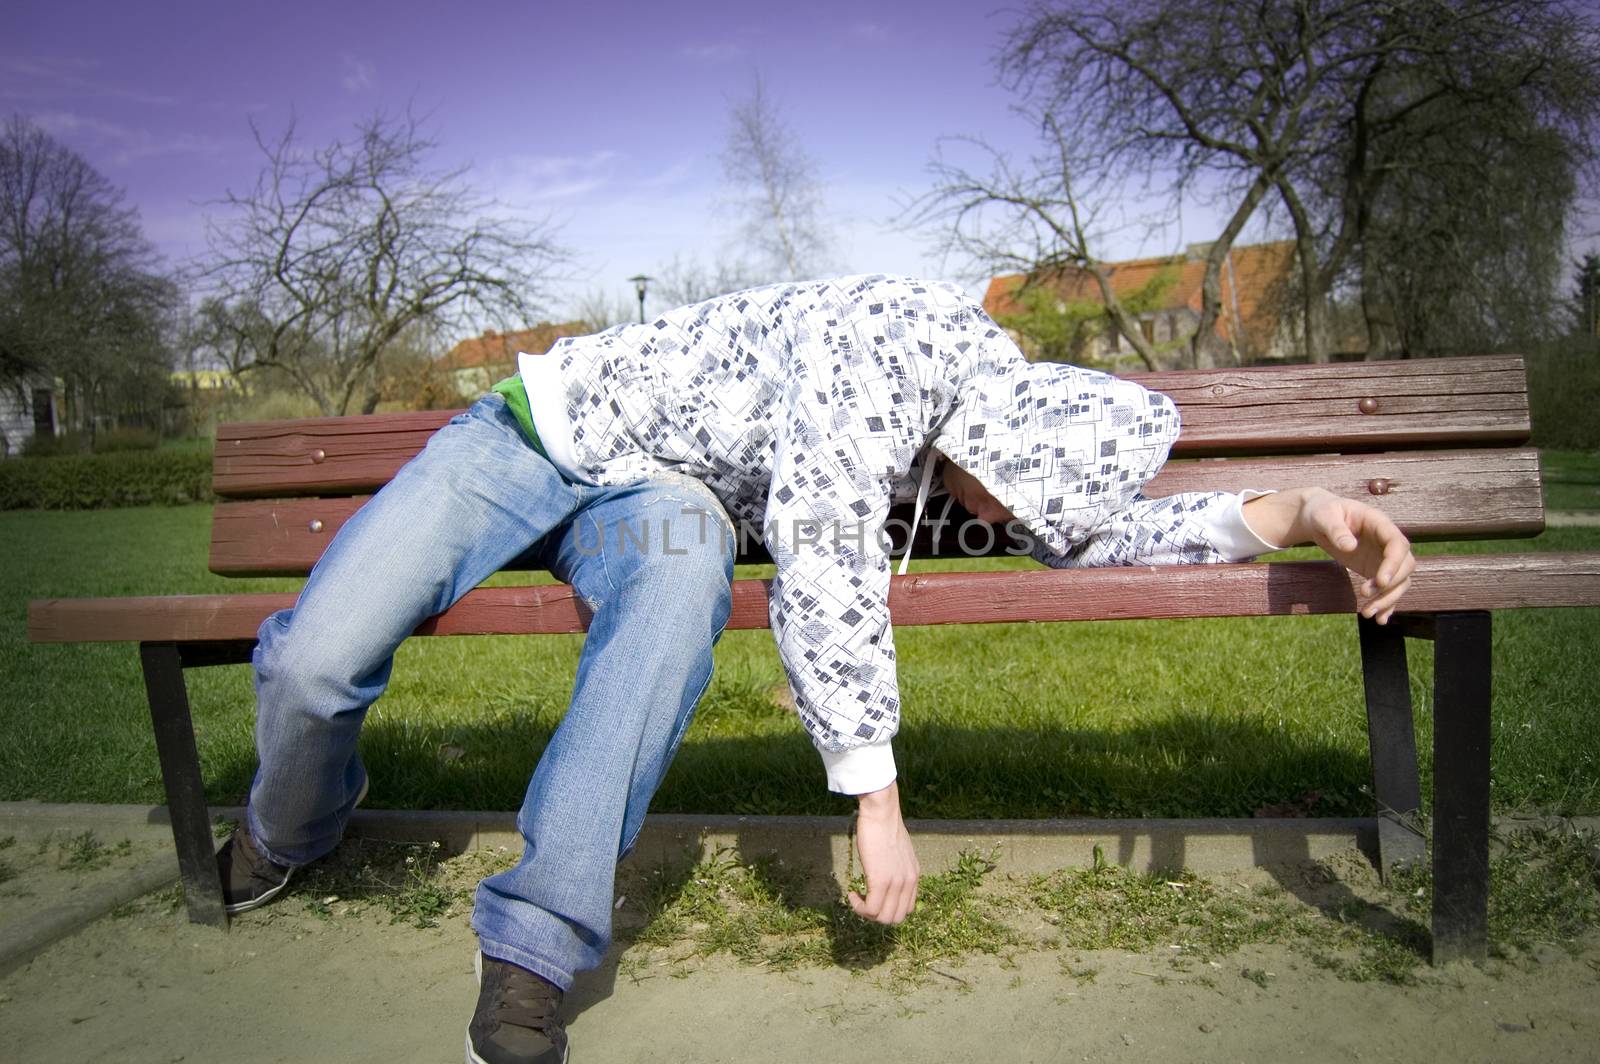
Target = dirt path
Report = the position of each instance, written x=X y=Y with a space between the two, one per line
x=288 y=984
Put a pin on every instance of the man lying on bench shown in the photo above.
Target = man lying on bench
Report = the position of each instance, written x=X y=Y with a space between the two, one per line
x=624 y=459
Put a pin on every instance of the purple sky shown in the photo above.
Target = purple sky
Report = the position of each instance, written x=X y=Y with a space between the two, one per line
x=606 y=117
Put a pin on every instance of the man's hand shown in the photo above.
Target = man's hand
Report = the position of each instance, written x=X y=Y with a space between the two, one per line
x=1359 y=537
x=887 y=859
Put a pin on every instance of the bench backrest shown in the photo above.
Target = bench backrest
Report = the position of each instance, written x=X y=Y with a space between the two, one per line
x=1436 y=443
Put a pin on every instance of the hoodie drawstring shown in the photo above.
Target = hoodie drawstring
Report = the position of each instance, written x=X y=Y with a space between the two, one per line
x=916 y=516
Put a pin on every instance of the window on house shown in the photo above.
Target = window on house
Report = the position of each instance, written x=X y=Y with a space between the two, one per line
x=1148 y=327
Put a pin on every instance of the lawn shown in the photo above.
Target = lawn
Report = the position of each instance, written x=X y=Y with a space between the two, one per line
x=1571 y=479
x=1189 y=718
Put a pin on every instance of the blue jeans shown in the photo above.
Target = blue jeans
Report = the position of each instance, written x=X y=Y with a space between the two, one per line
x=653 y=559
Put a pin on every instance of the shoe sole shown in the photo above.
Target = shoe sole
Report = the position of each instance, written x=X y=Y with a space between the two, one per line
x=472 y=1054
x=257 y=902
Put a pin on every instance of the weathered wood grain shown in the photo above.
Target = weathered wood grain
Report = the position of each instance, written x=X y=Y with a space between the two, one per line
x=1432 y=495
x=1441 y=583
x=1445 y=402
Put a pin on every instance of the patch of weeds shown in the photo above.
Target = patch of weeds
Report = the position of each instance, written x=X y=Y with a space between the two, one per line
x=321 y=908
x=752 y=911
x=85 y=853
x=632 y=968
x=406 y=880
x=8 y=842
x=1544 y=886
x=1259 y=976
x=764 y=913
x=953 y=918
x=1373 y=956
x=7 y=872
x=1110 y=907
x=421 y=897
x=222 y=827
x=168 y=900
x=1084 y=975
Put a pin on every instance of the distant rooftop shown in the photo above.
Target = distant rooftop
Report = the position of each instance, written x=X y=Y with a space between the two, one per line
x=1253 y=279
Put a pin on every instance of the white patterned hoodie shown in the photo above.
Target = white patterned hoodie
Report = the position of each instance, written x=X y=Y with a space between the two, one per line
x=810 y=408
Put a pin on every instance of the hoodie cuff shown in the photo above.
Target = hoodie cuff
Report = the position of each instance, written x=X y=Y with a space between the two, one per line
x=859 y=769
x=1232 y=535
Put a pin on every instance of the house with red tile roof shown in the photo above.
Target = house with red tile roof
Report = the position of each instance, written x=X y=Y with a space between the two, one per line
x=1257 y=318
x=475 y=365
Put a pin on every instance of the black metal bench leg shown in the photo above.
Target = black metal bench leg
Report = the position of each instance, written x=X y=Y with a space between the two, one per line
x=1461 y=674
x=1392 y=738
x=180 y=773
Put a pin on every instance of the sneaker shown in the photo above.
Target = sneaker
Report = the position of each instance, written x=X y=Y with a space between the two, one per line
x=250 y=878
x=518 y=1019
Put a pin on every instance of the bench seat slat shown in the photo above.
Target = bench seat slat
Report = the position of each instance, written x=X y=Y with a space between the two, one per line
x=1432 y=495
x=1454 y=402
x=1441 y=583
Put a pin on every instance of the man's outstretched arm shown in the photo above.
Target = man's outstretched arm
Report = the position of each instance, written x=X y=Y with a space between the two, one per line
x=1359 y=537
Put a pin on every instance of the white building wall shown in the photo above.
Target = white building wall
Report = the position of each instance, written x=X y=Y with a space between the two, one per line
x=16 y=418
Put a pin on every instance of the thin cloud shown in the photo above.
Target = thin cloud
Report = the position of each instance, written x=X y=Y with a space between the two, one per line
x=676 y=174
x=869 y=31
x=358 y=74
x=546 y=178
x=48 y=78
x=716 y=52
x=128 y=144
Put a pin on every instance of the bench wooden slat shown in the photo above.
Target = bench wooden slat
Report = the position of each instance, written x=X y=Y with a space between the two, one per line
x=1441 y=583
x=1432 y=495
x=1455 y=402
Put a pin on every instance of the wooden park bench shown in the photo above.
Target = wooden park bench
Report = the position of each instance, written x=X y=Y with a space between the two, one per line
x=1438 y=444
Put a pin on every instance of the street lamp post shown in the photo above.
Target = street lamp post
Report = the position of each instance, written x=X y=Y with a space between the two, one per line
x=638 y=286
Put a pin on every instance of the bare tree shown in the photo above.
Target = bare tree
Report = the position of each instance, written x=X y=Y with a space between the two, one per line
x=683 y=281
x=599 y=309
x=1317 y=104
x=777 y=189
x=1026 y=218
x=341 y=250
x=82 y=295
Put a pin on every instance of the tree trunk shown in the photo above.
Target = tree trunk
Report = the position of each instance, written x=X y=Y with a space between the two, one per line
x=1383 y=331
x=1206 y=345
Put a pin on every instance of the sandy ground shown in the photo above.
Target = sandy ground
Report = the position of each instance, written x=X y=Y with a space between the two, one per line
x=287 y=984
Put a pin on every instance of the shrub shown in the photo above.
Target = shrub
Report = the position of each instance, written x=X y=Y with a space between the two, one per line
x=112 y=441
x=39 y=446
x=98 y=481
x=1564 y=393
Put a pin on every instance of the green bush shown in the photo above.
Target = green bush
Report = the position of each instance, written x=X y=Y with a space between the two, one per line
x=41 y=446
x=112 y=441
x=98 y=481
x=1564 y=393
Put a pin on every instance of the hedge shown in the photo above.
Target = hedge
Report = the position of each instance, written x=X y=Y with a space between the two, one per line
x=171 y=477
x=1564 y=392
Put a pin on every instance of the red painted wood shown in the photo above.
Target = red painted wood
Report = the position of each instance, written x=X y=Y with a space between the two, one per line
x=1441 y=583
x=1431 y=494
x=1450 y=402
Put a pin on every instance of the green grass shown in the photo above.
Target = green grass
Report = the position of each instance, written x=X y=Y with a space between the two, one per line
x=1188 y=718
x=1571 y=480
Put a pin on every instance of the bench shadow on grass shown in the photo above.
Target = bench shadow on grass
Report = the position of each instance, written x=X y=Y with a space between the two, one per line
x=1173 y=768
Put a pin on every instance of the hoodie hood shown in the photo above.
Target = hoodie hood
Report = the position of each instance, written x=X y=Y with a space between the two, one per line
x=1061 y=447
